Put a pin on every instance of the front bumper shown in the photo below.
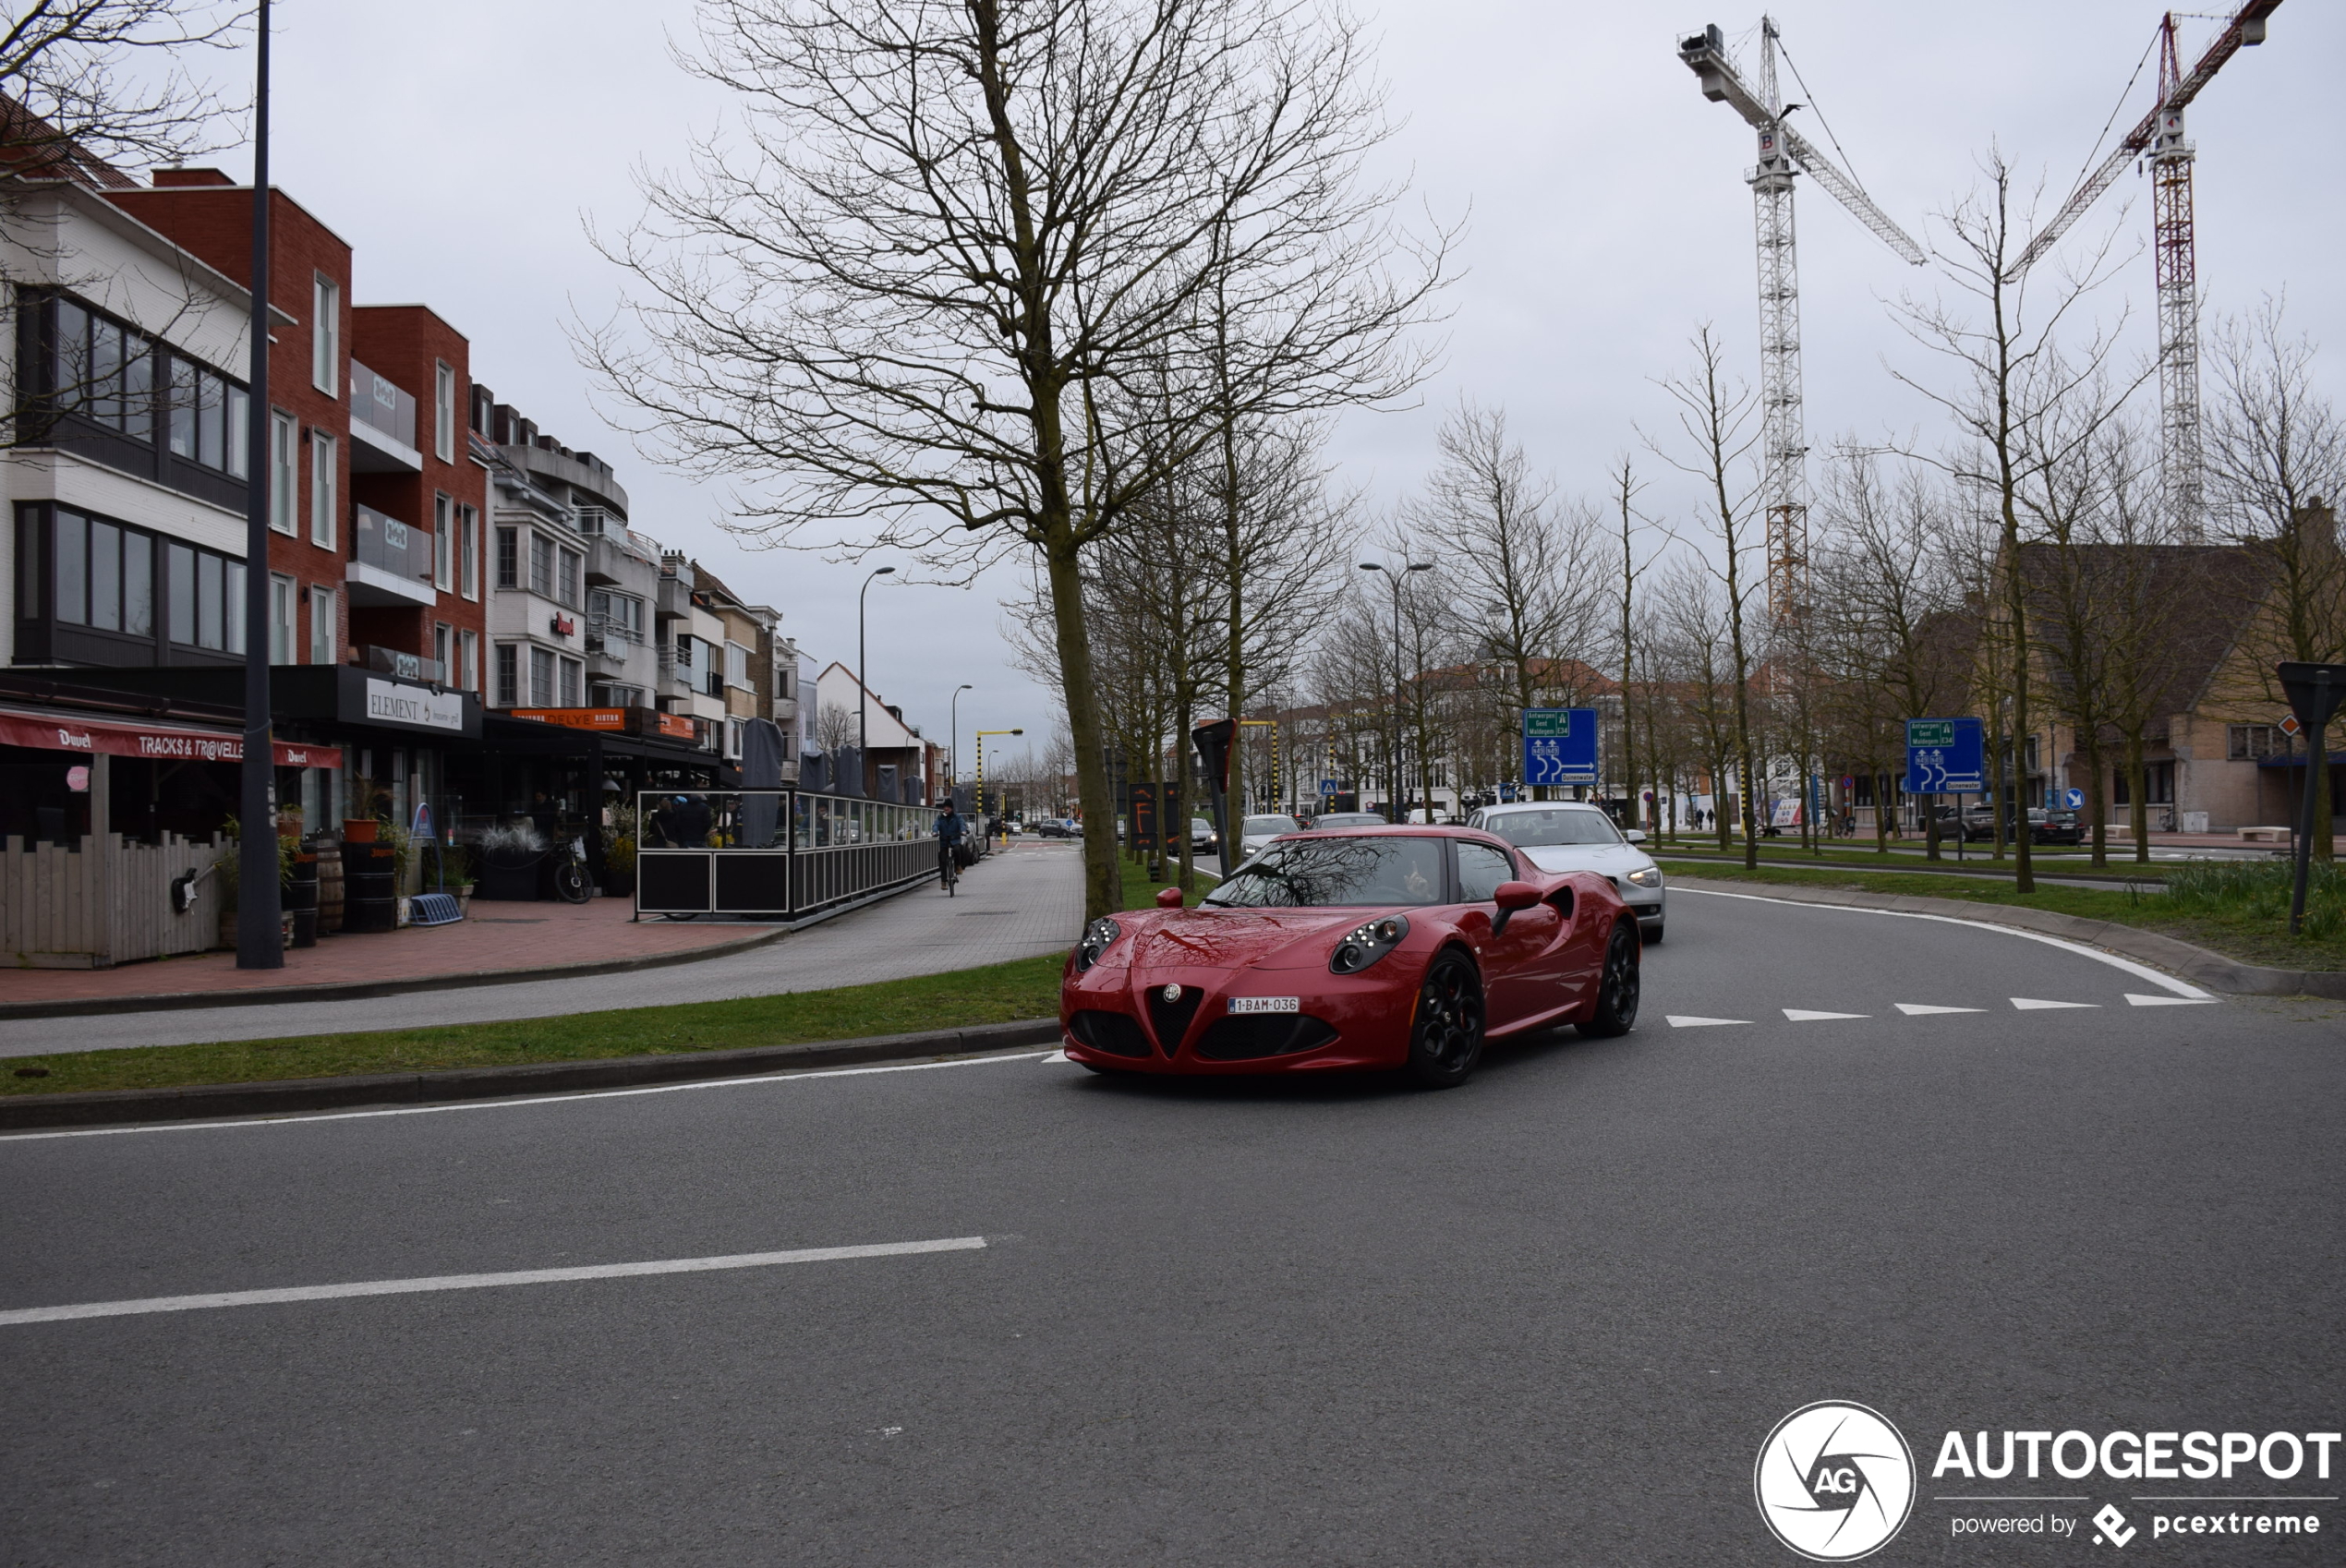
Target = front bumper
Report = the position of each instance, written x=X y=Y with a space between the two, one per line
x=1365 y=1019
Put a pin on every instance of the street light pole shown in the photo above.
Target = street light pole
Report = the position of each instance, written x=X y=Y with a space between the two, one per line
x=953 y=766
x=1393 y=746
x=863 y=697
x=981 y=779
x=260 y=944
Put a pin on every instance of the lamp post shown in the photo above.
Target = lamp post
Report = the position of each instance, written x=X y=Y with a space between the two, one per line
x=862 y=694
x=1393 y=746
x=981 y=778
x=953 y=765
x=259 y=902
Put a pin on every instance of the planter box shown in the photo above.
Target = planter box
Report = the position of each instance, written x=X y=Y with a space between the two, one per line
x=501 y=879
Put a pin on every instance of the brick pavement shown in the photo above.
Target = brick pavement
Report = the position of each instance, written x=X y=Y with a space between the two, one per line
x=1021 y=901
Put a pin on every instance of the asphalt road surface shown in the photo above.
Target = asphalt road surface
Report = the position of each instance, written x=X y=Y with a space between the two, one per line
x=1548 y=1318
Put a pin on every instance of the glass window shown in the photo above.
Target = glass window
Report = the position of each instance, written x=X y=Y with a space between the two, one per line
x=285 y=473
x=1481 y=870
x=508 y=558
x=182 y=409
x=568 y=564
x=468 y=552
x=441 y=539
x=1530 y=829
x=208 y=600
x=73 y=355
x=183 y=593
x=73 y=569
x=233 y=602
x=541 y=678
x=441 y=650
x=280 y=619
x=325 y=335
x=33 y=524
x=105 y=576
x=138 y=584
x=574 y=683
x=541 y=565
x=322 y=491
x=325 y=628
x=105 y=373
x=239 y=414
x=468 y=660
x=211 y=421
x=139 y=389
x=1339 y=869
x=443 y=415
x=508 y=676
x=736 y=665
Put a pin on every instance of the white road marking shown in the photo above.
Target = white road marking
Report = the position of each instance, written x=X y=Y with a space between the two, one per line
x=581 y=1096
x=1679 y=1020
x=2140 y=1000
x=481 y=1281
x=2140 y=971
x=1802 y=1015
x=1917 y=1009
x=2030 y=1003
x=1055 y=1056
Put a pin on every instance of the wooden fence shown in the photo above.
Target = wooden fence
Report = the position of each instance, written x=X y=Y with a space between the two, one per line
x=97 y=904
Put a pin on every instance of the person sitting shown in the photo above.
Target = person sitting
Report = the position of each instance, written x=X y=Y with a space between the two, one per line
x=949 y=830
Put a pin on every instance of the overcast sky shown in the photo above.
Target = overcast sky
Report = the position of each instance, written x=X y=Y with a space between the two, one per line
x=461 y=146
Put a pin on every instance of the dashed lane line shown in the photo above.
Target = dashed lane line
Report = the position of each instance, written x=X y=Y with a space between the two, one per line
x=1924 y=1009
x=2031 y=1003
x=1803 y=1015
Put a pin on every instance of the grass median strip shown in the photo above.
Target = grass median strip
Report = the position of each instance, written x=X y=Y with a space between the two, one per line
x=1026 y=988
x=2243 y=932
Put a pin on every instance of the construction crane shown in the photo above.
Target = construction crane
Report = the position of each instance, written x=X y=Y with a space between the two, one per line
x=1783 y=154
x=2161 y=135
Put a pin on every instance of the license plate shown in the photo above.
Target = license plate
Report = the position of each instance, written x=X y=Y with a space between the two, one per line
x=1263 y=1003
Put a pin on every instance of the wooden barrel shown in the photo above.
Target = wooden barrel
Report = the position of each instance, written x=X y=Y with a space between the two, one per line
x=370 y=897
x=330 y=890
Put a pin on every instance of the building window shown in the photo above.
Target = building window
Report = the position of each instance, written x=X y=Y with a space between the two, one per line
x=322 y=490
x=326 y=631
x=468 y=660
x=509 y=557
x=207 y=580
x=468 y=552
x=737 y=665
x=285 y=473
x=574 y=683
x=732 y=740
x=615 y=615
x=325 y=335
x=232 y=597
x=442 y=545
x=443 y=414
x=104 y=370
x=441 y=637
x=508 y=675
x=281 y=618
x=541 y=565
x=541 y=678
x=2247 y=743
x=568 y=566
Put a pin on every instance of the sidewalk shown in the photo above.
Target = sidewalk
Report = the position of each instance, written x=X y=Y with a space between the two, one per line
x=1016 y=903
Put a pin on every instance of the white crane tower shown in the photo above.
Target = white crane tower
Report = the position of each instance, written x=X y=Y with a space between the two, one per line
x=1783 y=154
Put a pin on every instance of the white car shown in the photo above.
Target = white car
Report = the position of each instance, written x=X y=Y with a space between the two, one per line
x=1257 y=831
x=1576 y=835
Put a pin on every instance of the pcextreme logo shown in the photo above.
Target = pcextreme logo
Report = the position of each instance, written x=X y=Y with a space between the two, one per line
x=1836 y=1481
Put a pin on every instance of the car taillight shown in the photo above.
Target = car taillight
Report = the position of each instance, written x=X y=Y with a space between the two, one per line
x=1366 y=943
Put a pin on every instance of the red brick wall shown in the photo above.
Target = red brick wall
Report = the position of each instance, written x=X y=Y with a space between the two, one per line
x=215 y=223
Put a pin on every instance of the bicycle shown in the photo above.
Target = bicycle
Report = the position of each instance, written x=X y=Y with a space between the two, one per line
x=571 y=885
x=949 y=861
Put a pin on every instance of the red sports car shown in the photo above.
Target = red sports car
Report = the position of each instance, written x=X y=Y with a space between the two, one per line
x=1361 y=947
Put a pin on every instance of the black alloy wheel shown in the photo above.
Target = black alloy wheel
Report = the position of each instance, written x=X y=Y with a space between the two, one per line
x=1446 y=1039
x=1617 y=985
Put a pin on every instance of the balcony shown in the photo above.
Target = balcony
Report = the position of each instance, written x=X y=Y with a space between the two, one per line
x=406 y=665
x=382 y=425
x=393 y=562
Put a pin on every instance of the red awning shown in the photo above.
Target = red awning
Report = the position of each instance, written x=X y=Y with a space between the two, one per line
x=56 y=730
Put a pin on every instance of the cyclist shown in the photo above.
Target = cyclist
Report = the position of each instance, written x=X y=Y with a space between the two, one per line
x=949 y=830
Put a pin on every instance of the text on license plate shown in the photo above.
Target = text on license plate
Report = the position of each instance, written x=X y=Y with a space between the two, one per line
x=1263 y=1003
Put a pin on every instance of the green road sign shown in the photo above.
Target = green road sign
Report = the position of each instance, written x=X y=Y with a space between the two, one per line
x=1547 y=722
x=1931 y=732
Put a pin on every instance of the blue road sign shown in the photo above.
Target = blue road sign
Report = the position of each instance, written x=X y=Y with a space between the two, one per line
x=2075 y=799
x=1945 y=756
x=1327 y=787
x=1559 y=745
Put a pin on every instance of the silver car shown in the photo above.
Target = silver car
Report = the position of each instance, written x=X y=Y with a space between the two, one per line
x=1576 y=835
x=1257 y=831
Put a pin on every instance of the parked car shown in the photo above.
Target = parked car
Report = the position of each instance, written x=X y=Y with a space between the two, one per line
x=2044 y=826
x=1201 y=835
x=1050 y=827
x=1345 y=819
x=1255 y=832
x=1558 y=836
x=1393 y=947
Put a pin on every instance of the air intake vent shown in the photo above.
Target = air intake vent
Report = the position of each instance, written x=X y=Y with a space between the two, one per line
x=1255 y=1035
x=1116 y=1033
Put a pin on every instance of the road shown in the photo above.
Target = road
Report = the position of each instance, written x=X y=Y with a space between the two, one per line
x=1547 y=1318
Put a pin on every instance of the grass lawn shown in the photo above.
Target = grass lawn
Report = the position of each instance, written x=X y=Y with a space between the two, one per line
x=2249 y=937
x=1028 y=988
x=1140 y=893
x=2067 y=861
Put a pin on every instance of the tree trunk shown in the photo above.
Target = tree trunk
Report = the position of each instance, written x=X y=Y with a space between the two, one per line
x=1103 y=866
x=2139 y=797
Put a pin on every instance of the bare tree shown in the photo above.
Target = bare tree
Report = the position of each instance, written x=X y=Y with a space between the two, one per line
x=904 y=308
x=85 y=84
x=834 y=728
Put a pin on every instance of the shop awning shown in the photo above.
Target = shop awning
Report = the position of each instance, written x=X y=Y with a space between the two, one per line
x=56 y=729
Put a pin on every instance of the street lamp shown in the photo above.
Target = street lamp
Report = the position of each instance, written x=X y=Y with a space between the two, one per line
x=1393 y=748
x=981 y=779
x=953 y=755
x=862 y=695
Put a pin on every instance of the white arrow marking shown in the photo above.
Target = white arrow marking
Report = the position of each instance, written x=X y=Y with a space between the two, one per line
x=1914 y=1009
x=1679 y=1020
x=2030 y=1003
x=2139 y=1000
x=1055 y=1056
x=1802 y=1015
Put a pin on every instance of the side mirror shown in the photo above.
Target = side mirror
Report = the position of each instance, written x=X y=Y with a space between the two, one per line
x=1168 y=898
x=1511 y=897
x=1636 y=835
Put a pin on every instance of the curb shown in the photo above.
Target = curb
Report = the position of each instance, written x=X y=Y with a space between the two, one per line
x=2195 y=964
x=101 y=1107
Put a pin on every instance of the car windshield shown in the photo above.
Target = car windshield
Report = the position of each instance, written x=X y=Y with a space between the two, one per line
x=1346 y=869
x=1256 y=827
x=1351 y=819
x=1532 y=829
x=1199 y=824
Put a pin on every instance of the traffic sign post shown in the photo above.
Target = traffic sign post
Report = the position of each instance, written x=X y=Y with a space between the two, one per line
x=2074 y=799
x=1559 y=745
x=1945 y=756
x=2314 y=690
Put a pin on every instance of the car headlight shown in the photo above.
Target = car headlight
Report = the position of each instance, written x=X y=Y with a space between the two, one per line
x=1364 y=944
x=1647 y=877
x=1098 y=938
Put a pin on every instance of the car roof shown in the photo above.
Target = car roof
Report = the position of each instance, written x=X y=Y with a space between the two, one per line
x=1546 y=805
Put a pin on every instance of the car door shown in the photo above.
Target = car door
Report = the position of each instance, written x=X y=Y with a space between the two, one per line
x=1519 y=978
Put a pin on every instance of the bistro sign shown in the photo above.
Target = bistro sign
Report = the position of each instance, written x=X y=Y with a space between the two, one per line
x=391 y=702
x=51 y=732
